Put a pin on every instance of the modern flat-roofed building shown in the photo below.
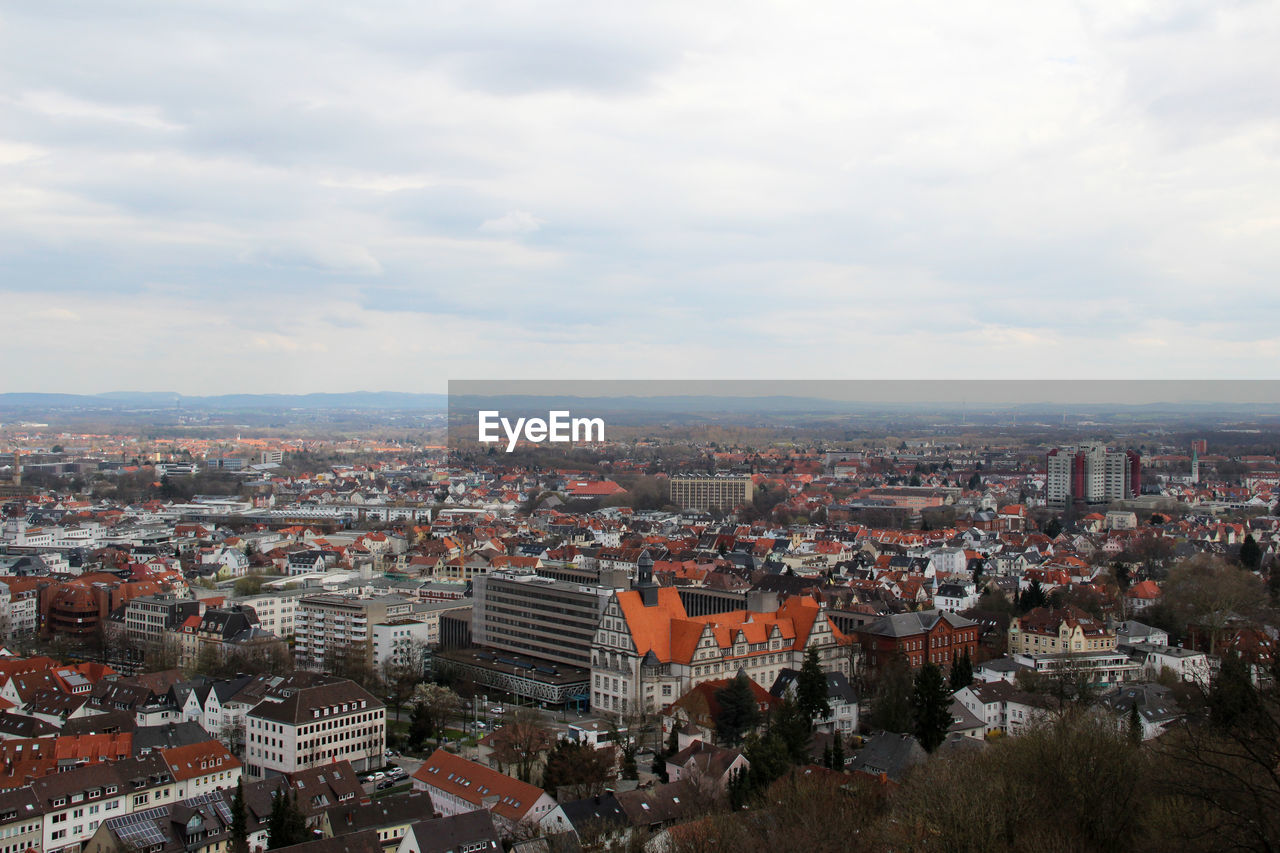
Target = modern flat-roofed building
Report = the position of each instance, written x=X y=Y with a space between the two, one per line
x=328 y=623
x=525 y=613
x=711 y=491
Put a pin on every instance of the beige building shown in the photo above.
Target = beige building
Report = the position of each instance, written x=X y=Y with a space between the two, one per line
x=708 y=491
x=329 y=623
x=1066 y=630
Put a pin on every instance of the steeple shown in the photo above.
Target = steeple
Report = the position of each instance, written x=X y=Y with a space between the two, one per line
x=644 y=580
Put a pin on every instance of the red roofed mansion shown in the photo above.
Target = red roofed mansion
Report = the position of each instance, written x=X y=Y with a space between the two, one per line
x=648 y=651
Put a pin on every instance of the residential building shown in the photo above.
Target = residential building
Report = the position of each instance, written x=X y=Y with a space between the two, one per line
x=1047 y=630
x=330 y=623
x=1090 y=474
x=458 y=786
x=926 y=636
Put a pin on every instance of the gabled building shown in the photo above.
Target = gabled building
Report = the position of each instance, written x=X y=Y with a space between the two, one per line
x=648 y=651
x=457 y=786
x=926 y=636
x=1063 y=630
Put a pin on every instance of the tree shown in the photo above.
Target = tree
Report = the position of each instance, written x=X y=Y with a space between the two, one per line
x=286 y=825
x=739 y=712
x=433 y=705
x=574 y=771
x=401 y=673
x=811 y=688
x=931 y=707
x=520 y=742
x=1053 y=527
x=891 y=700
x=837 y=753
x=1250 y=553
x=1206 y=592
x=1135 y=725
x=239 y=821
x=793 y=728
x=961 y=672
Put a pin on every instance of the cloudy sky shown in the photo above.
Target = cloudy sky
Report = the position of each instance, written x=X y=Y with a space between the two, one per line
x=215 y=197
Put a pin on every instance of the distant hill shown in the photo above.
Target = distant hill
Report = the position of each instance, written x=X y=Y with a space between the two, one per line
x=358 y=400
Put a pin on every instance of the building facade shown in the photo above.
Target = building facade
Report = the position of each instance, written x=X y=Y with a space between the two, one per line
x=1090 y=474
x=648 y=651
x=706 y=491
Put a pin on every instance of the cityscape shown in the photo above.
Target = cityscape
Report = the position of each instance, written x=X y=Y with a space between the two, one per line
x=631 y=642
x=590 y=427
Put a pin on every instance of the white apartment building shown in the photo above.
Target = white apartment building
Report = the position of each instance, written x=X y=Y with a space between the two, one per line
x=302 y=727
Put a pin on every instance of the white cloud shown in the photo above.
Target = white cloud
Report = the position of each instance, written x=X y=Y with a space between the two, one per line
x=515 y=222
x=996 y=186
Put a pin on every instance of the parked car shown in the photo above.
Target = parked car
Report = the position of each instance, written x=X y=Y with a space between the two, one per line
x=386 y=783
x=396 y=773
x=377 y=776
x=496 y=710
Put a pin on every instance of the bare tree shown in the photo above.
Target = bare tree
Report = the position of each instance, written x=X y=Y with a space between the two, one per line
x=521 y=743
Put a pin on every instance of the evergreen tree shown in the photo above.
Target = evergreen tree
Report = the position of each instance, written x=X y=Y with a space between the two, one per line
x=792 y=728
x=811 y=689
x=275 y=821
x=837 y=754
x=826 y=756
x=1135 y=725
x=1250 y=553
x=286 y=824
x=1233 y=700
x=1053 y=528
x=739 y=713
x=891 y=701
x=239 y=821
x=961 y=672
x=931 y=704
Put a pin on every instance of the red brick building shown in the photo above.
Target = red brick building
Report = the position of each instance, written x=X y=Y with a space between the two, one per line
x=929 y=636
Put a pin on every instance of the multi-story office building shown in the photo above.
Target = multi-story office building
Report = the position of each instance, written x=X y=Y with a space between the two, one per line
x=1091 y=474
x=326 y=624
x=149 y=619
x=320 y=723
x=525 y=613
x=708 y=491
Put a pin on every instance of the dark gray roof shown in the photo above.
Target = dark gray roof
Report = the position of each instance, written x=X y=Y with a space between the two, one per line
x=167 y=736
x=604 y=811
x=919 y=622
x=888 y=753
x=468 y=831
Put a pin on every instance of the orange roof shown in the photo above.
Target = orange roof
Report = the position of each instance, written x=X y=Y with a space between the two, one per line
x=670 y=633
x=1148 y=590
x=199 y=759
x=473 y=783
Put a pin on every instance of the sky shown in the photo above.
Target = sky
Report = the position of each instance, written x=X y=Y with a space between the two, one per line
x=222 y=197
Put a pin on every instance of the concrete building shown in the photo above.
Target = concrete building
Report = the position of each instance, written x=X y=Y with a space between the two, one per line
x=525 y=613
x=314 y=724
x=1090 y=474
x=329 y=623
x=706 y=491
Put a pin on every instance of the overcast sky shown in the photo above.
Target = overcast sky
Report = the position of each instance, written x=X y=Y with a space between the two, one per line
x=223 y=197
